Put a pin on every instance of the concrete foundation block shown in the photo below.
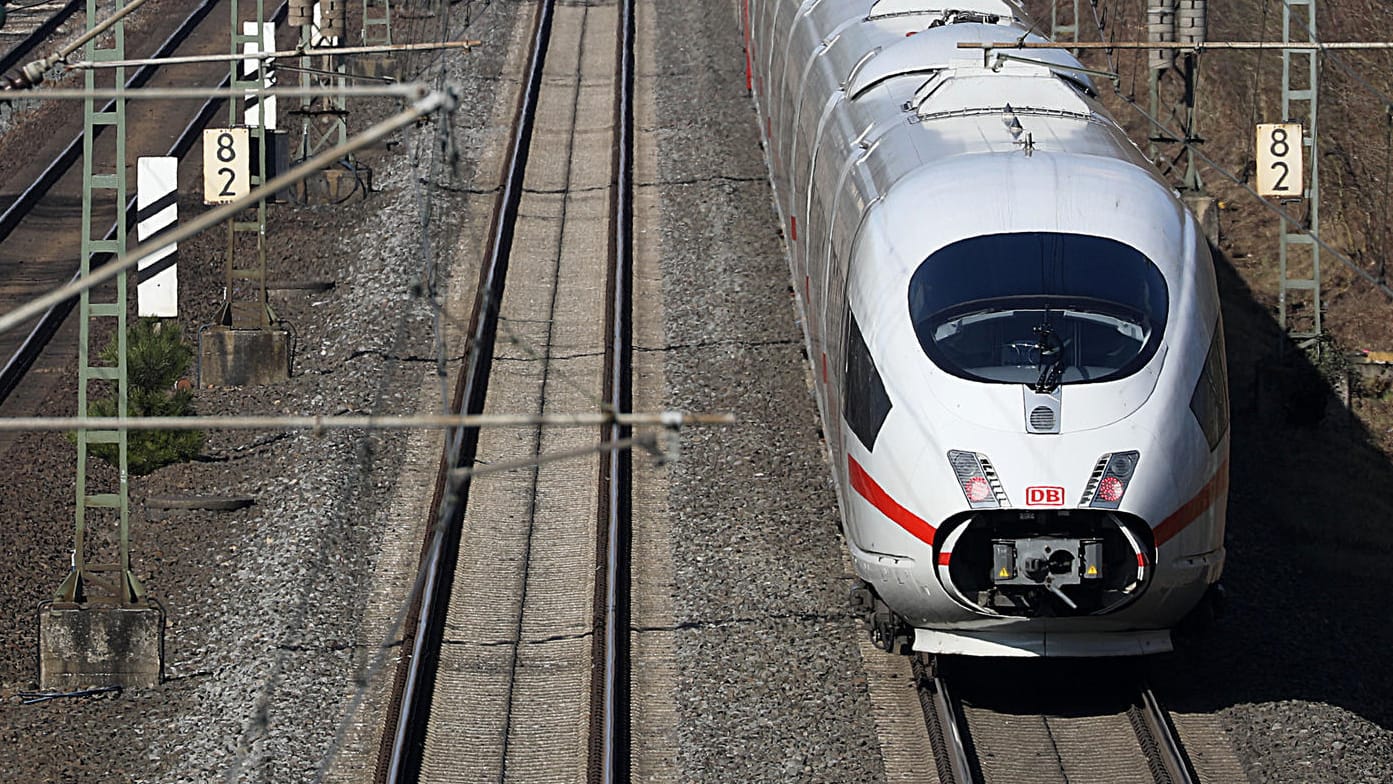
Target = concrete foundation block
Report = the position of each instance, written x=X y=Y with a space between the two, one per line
x=85 y=646
x=232 y=357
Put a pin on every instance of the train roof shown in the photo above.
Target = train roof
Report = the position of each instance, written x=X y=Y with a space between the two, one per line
x=1005 y=8
x=1000 y=193
x=937 y=48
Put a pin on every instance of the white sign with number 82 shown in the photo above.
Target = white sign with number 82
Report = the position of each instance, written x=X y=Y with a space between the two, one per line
x=226 y=164
x=1279 y=161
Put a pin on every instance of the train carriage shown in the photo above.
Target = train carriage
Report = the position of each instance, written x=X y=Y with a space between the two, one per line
x=1014 y=327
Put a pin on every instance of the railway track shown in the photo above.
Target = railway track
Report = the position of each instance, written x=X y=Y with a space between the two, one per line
x=1050 y=723
x=29 y=25
x=518 y=645
x=35 y=258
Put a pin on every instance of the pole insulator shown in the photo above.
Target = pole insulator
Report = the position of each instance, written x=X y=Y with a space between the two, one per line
x=27 y=77
x=333 y=20
x=1160 y=28
x=1192 y=21
x=300 y=13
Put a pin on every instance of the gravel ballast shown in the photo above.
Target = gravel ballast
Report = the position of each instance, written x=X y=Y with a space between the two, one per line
x=265 y=604
x=770 y=684
x=264 y=639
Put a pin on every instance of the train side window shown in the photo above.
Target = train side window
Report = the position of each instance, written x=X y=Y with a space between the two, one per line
x=865 y=402
x=1210 y=401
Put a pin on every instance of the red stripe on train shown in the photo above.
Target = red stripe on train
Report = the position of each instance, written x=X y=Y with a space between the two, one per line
x=1192 y=509
x=862 y=483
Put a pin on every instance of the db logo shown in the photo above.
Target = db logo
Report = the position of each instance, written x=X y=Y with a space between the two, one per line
x=1044 y=496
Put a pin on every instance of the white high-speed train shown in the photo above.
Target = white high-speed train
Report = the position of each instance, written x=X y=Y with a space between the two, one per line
x=1014 y=328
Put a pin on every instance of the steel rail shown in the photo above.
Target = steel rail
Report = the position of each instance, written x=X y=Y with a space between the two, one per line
x=70 y=154
x=48 y=323
x=427 y=103
x=946 y=726
x=660 y=419
x=615 y=520
x=32 y=74
x=955 y=756
x=17 y=55
x=1159 y=741
x=404 y=739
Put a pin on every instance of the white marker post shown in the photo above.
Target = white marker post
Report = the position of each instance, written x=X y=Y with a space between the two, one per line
x=1279 y=156
x=252 y=70
x=157 y=212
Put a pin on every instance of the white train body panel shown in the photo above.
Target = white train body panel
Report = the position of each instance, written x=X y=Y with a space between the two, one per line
x=907 y=171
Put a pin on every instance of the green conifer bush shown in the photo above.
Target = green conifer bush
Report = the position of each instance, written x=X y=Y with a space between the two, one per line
x=157 y=357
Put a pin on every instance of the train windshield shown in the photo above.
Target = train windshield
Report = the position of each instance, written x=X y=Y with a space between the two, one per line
x=1040 y=308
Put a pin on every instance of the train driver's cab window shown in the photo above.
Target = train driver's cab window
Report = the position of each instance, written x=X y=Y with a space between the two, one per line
x=1042 y=309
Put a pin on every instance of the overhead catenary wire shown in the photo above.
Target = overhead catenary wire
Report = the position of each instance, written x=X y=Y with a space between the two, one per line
x=1099 y=21
x=1271 y=207
x=440 y=158
x=435 y=152
x=424 y=105
x=337 y=423
x=404 y=738
x=409 y=90
x=283 y=53
x=1387 y=101
x=1340 y=63
x=363 y=422
x=335 y=74
x=33 y=73
x=1188 y=144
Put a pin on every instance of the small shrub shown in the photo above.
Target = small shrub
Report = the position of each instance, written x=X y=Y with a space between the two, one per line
x=156 y=358
x=156 y=355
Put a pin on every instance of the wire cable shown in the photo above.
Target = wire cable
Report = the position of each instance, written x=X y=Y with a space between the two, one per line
x=1241 y=182
x=1257 y=66
x=428 y=144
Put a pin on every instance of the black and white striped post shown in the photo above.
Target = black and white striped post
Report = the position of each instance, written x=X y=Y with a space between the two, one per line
x=157 y=212
x=253 y=71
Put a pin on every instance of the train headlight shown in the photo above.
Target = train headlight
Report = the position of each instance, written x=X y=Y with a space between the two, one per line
x=977 y=489
x=1111 y=489
x=1110 y=479
x=978 y=480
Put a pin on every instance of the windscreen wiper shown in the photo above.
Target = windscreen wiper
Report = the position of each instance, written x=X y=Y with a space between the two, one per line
x=1051 y=361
